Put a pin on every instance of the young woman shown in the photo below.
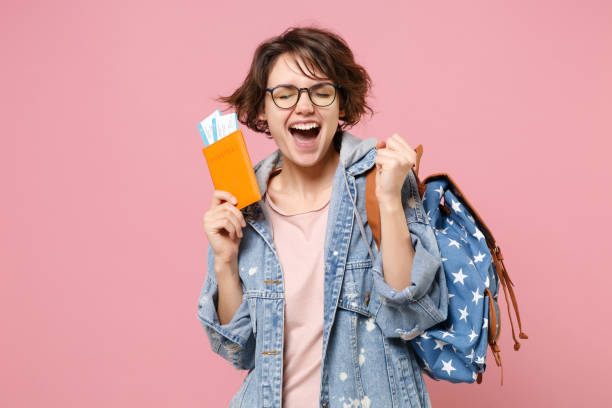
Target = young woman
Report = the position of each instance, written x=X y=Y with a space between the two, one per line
x=297 y=292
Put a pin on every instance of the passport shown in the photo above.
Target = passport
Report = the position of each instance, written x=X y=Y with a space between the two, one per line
x=231 y=169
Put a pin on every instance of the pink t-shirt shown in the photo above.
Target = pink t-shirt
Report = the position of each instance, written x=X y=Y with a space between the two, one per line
x=299 y=241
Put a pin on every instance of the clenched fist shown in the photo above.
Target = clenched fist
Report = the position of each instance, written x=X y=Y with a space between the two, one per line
x=394 y=160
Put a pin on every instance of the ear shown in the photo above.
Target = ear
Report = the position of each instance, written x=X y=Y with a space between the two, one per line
x=341 y=113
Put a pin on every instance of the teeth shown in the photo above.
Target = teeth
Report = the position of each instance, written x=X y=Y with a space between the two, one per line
x=304 y=126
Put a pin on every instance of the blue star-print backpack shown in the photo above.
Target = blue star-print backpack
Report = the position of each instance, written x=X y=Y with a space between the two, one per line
x=456 y=349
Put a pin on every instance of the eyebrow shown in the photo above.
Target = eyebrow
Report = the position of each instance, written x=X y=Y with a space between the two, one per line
x=316 y=83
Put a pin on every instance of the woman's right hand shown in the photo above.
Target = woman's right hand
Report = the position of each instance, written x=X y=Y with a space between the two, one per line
x=223 y=224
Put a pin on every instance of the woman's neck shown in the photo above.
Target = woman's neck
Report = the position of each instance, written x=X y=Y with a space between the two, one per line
x=306 y=184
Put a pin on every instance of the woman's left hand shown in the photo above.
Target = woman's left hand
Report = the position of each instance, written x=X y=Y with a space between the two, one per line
x=394 y=160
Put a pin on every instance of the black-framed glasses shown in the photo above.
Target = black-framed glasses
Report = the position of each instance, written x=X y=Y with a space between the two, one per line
x=287 y=96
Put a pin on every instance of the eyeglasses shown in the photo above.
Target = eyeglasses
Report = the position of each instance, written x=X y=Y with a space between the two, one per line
x=287 y=96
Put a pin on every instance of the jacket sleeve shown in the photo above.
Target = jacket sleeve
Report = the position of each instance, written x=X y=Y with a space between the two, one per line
x=424 y=303
x=235 y=340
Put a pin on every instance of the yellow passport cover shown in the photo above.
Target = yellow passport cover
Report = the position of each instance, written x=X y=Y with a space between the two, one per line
x=231 y=169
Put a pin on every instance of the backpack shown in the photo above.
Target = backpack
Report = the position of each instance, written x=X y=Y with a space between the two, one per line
x=455 y=350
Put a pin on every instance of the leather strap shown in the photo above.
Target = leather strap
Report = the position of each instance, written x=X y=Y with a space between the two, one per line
x=421 y=186
x=372 y=209
x=419 y=152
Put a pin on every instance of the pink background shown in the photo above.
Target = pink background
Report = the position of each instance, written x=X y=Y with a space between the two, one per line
x=104 y=185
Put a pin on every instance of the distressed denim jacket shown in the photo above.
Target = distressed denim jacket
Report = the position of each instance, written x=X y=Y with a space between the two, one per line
x=367 y=360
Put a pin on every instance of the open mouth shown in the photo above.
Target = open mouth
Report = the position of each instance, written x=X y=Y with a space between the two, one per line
x=305 y=133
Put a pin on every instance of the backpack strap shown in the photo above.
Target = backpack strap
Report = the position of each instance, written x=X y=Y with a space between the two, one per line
x=422 y=187
x=372 y=209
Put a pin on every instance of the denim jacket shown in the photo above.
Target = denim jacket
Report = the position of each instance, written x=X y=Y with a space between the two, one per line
x=366 y=360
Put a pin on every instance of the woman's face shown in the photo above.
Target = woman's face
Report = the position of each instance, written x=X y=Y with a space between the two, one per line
x=304 y=148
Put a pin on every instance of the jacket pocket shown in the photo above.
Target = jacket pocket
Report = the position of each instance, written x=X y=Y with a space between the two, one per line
x=356 y=287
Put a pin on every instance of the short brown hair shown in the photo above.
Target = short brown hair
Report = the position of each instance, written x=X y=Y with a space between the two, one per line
x=320 y=50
